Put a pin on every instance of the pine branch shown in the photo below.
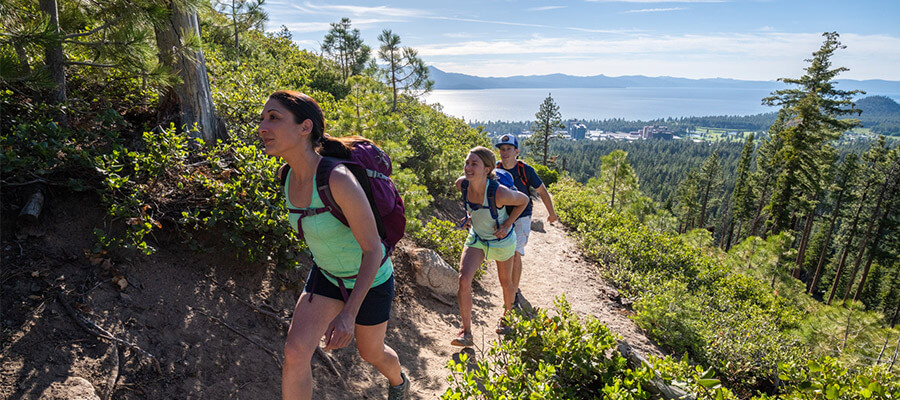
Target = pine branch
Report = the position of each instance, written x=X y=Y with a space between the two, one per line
x=93 y=31
x=90 y=64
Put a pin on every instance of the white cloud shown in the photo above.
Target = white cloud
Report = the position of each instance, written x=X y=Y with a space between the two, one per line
x=362 y=10
x=760 y=56
x=481 y=21
x=545 y=8
x=646 y=10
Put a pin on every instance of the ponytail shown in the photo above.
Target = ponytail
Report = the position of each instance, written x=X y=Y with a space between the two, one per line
x=339 y=147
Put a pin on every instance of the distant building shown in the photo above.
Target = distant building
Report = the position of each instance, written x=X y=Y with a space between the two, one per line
x=576 y=130
x=655 y=132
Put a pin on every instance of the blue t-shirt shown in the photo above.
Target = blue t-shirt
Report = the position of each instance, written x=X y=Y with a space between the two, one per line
x=531 y=177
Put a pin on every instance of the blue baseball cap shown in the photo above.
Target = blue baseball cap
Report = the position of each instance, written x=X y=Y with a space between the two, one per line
x=508 y=139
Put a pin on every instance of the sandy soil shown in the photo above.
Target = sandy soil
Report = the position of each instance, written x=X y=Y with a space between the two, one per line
x=198 y=316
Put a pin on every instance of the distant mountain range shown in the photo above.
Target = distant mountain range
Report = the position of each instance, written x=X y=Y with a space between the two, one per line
x=451 y=80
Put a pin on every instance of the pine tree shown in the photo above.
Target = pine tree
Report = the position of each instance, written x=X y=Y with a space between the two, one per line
x=813 y=111
x=244 y=15
x=710 y=181
x=344 y=45
x=839 y=191
x=404 y=71
x=740 y=198
x=546 y=121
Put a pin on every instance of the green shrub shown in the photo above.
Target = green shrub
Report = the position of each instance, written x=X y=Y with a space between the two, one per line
x=547 y=175
x=686 y=300
x=546 y=357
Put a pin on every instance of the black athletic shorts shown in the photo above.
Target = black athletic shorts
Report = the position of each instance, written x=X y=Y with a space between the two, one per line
x=375 y=308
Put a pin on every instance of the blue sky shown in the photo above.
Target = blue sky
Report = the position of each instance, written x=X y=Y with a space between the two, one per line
x=739 y=39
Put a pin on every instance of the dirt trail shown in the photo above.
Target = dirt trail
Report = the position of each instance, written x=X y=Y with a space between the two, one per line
x=195 y=313
x=552 y=266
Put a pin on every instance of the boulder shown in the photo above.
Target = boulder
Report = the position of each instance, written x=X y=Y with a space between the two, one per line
x=433 y=272
x=73 y=388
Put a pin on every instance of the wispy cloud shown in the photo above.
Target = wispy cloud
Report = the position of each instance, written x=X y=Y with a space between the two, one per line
x=571 y=28
x=648 y=10
x=762 y=56
x=545 y=8
x=383 y=11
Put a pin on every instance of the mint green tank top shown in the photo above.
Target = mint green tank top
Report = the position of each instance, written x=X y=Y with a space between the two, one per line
x=482 y=223
x=332 y=244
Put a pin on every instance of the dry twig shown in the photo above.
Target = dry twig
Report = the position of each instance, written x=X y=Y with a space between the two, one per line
x=241 y=334
x=329 y=362
x=95 y=329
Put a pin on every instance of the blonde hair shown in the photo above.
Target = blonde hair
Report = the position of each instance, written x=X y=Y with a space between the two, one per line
x=487 y=157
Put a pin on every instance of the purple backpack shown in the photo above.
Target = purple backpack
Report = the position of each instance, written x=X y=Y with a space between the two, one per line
x=372 y=168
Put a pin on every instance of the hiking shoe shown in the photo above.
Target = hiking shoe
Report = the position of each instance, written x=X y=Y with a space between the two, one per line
x=463 y=339
x=401 y=391
x=516 y=302
x=502 y=328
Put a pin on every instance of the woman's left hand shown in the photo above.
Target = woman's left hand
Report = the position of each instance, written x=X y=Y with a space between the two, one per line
x=501 y=231
x=340 y=331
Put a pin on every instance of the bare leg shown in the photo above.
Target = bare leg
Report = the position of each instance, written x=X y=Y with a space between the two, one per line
x=516 y=271
x=307 y=328
x=370 y=343
x=504 y=271
x=469 y=262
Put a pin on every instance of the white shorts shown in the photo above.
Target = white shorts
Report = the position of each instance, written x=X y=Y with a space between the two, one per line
x=523 y=229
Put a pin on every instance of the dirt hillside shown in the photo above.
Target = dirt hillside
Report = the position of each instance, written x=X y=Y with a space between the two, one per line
x=179 y=324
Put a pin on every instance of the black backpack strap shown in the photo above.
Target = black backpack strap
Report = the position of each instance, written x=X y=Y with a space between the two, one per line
x=492 y=199
x=285 y=168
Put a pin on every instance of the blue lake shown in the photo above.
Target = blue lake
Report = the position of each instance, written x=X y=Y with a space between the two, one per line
x=637 y=103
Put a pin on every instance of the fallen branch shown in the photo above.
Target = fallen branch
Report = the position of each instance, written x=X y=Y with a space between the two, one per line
x=96 y=330
x=656 y=385
x=329 y=362
x=115 y=372
x=241 y=334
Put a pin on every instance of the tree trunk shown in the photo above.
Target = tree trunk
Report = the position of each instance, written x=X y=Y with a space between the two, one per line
x=612 y=203
x=835 y=213
x=874 y=248
x=894 y=317
x=862 y=248
x=55 y=60
x=804 y=241
x=759 y=206
x=237 y=43
x=850 y=234
x=705 y=201
x=24 y=66
x=193 y=93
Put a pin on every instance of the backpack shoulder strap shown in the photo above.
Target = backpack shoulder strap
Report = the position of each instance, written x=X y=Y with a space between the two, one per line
x=283 y=173
x=520 y=167
x=492 y=199
x=323 y=174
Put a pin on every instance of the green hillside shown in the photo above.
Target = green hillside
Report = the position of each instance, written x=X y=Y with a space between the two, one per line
x=114 y=123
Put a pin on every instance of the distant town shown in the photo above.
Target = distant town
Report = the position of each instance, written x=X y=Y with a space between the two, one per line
x=578 y=131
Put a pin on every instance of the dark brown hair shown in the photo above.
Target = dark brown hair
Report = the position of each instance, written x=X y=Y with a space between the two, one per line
x=304 y=107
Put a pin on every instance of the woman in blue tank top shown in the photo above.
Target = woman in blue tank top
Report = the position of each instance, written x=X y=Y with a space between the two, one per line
x=292 y=126
x=489 y=238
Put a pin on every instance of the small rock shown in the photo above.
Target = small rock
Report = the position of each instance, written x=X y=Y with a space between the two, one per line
x=537 y=225
x=433 y=272
x=73 y=388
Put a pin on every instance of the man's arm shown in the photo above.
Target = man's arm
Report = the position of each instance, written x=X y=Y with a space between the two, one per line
x=545 y=197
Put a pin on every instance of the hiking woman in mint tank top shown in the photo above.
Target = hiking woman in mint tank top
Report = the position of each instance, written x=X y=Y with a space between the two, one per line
x=349 y=291
x=489 y=237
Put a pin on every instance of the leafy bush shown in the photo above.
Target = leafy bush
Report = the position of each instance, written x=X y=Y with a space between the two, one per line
x=686 y=300
x=547 y=175
x=546 y=357
x=827 y=378
x=228 y=189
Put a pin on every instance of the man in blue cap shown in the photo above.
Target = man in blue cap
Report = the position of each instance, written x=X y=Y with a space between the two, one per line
x=525 y=178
